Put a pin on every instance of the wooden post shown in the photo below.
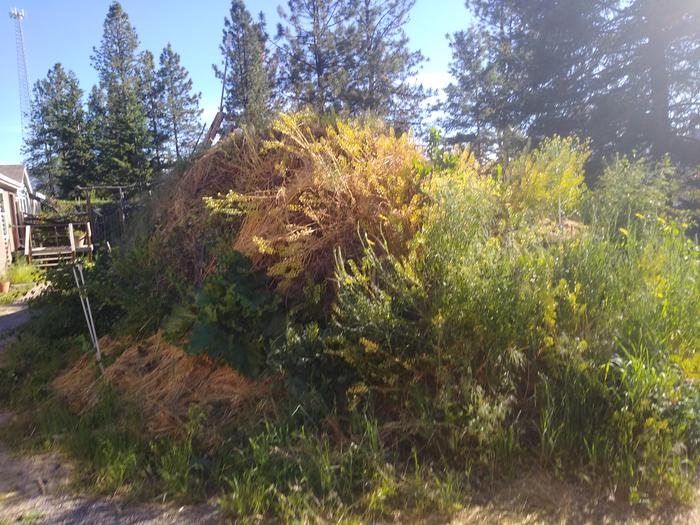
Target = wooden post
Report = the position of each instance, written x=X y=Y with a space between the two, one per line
x=71 y=234
x=88 y=239
x=28 y=243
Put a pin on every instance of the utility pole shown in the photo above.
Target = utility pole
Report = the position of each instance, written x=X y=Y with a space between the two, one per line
x=24 y=101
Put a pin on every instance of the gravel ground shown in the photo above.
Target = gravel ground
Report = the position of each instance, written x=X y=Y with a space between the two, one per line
x=35 y=489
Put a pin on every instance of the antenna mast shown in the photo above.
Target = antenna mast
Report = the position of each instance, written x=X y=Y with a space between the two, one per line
x=24 y=101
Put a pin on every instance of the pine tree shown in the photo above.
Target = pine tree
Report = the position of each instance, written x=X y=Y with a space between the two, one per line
x=469 y=104
x=313 y=39
x=653 y=52
x=478 y=106
x=95 y=117
x=622 y=72
x=248 y=86
x=153 y=101
x=381 y=68
x=124 y=138
x=181 y=112
x=56 y=151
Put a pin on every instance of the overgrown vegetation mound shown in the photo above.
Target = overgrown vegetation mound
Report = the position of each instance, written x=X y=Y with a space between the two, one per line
x=295 y=195
x=428 y=323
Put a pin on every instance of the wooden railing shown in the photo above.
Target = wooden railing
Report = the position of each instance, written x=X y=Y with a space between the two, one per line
x=49 y=254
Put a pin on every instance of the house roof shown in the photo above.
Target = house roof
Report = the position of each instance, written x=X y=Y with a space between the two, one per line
x=13 y=171
x=14 y=176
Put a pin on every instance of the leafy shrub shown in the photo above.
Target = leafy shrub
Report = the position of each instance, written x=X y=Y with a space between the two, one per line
x=487 y=330
x=630 y=187
x=234 y=316
x=549 y=179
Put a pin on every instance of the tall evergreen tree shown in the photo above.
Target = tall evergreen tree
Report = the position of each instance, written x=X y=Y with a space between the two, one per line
x=623 y=72
x=469 y=106
x=181 y=111
x=153 y=101
x=96 y=108
x=479 y=105
x=249 y=82
x=653 y=57
x=381 y=68
x=56 y=150
x=313 y=39
x=124 y=140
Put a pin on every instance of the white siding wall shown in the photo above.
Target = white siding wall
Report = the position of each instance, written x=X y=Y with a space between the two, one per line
x=5 y=250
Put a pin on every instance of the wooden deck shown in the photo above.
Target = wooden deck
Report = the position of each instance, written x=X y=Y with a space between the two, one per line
x=49 y=256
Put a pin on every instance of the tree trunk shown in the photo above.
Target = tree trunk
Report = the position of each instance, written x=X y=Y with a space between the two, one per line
x=660 y=131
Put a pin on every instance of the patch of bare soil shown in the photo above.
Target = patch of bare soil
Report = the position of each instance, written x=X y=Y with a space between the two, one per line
x=34 y=489
x=540 y=498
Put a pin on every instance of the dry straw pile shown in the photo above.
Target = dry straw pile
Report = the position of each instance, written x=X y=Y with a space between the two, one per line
x=289 y=198
x=166 y=383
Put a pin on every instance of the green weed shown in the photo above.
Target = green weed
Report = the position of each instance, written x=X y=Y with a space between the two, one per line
x=21 y=272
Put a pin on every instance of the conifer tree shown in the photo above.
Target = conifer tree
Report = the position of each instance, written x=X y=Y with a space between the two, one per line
x=477 y=109
x=154 y=104
x=380 y=66
x=56 y=150
x=181 y=112
x=95 y=117
x=622 y=72
x=248 y=86
x=124 y=138
x=313 y=41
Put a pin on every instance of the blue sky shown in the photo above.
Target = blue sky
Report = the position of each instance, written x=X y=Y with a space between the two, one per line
x=66 y=30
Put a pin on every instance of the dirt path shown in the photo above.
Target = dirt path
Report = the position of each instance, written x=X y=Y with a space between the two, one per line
x=11 y=317
x=14 y=315
x=35 y=489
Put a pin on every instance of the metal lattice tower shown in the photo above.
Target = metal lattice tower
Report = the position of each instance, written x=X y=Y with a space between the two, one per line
x=24 y=101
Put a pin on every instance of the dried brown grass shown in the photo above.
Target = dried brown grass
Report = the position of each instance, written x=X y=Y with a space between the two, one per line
x=287 y=198
x=340 y=185
x=185 y=230
x=166 y=383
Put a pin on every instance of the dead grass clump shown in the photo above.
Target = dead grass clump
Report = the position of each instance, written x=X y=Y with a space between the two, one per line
x=287 y=198
x=334 y=187
x=185 y=229
x=167 y=383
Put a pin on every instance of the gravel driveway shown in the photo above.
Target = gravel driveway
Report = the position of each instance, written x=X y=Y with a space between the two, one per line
x=35 y=489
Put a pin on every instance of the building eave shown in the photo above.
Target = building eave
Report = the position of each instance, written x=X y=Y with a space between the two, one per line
x=9 y=183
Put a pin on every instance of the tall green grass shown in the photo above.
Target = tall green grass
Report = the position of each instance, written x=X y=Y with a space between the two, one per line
x=22 y=272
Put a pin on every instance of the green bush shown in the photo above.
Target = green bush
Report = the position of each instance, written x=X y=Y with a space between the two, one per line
x=630 y=187
x=487 y=331
x=234 y=317
x=130 y=292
